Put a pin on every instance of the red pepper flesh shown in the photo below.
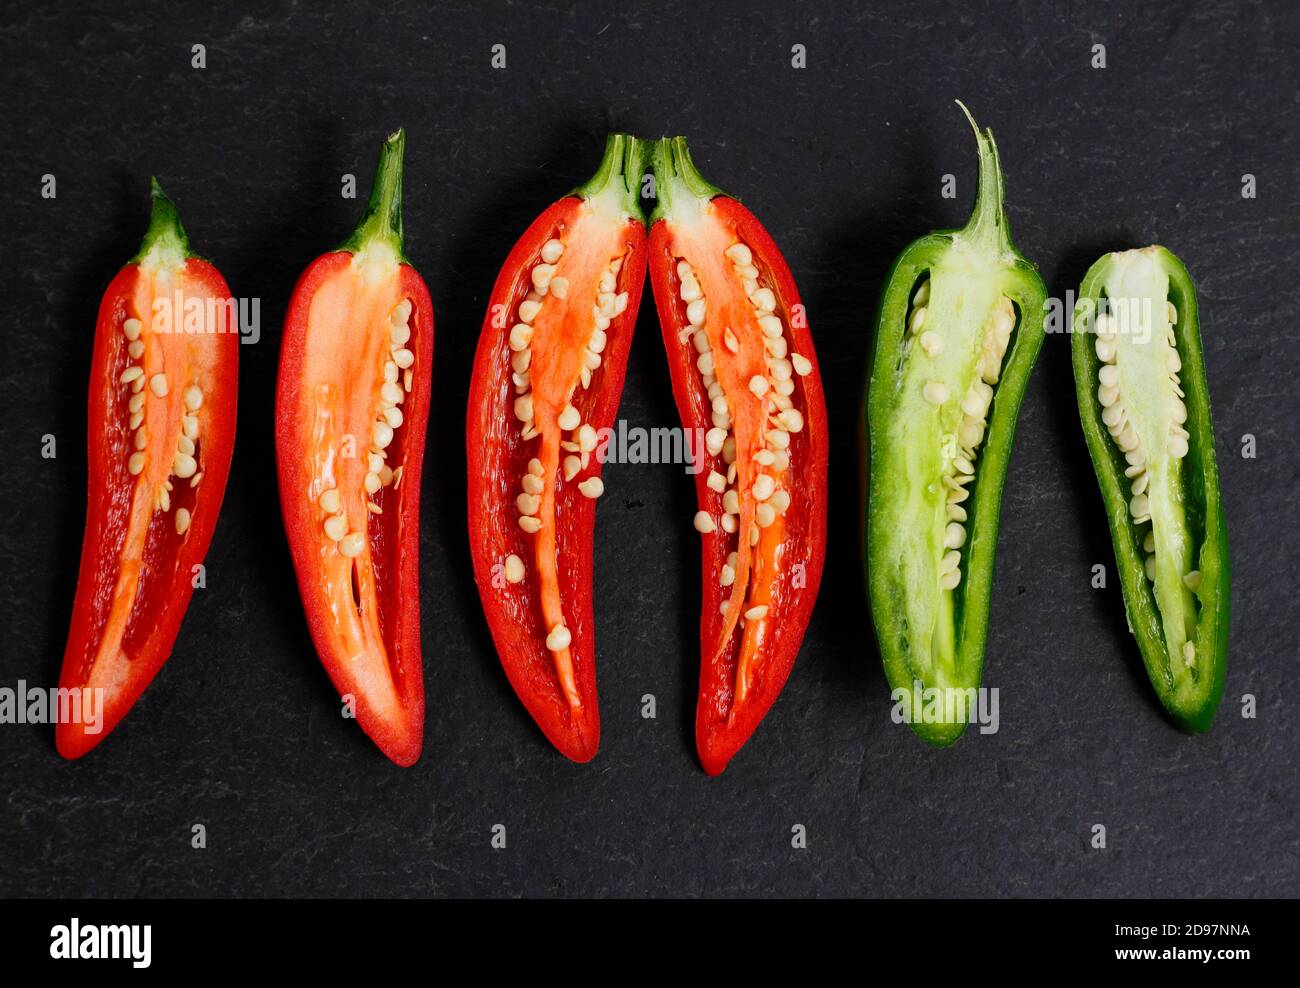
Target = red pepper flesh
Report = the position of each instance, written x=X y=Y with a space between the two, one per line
x=352 y=403
x=745 y=373
x=547 y=379
x=161 y=433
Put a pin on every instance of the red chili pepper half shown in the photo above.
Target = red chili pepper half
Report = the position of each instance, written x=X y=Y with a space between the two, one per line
x=745 y=375
x=351 y=407
x=547 y=379
x=161 y=432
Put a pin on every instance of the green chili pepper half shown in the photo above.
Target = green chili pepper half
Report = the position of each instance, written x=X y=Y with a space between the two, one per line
x=959 y=327
x=1140 y=377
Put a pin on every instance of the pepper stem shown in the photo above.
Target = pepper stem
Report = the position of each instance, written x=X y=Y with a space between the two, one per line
x=383 y=217
x=619 y=174
x=988 y=220
x=165 y=239
x=679 y=186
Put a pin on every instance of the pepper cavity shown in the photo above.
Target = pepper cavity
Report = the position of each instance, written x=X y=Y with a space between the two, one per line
x=748 y=464
x=397 y=365
x=1141 y=401
x=555 y=350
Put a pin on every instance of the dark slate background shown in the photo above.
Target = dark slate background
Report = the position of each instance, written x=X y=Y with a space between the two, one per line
x=843 y=161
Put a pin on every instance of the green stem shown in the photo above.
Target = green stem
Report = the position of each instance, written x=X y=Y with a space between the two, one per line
x=988 y=220
x=165 y=236
x=619 y=174
x=678 y=183
x=383 y=217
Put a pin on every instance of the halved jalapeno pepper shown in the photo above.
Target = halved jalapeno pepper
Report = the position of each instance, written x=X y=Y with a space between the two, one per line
x=959 y=328
x=1145 y=409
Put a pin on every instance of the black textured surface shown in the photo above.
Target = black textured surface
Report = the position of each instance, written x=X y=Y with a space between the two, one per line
x=842 y=161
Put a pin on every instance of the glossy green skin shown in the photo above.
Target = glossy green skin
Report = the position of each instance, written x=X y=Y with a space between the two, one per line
x=885 y=467
x=1193 y=701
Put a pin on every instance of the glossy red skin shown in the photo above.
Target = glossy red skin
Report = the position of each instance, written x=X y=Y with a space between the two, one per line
x=166 y=584
x=399 y=531
x=717 y=735
x=498 y=457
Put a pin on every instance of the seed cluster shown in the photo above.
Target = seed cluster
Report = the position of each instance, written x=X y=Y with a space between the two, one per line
x=975 y=404
x=773 y=389
x=581 y=439
x=1115 y=418
x=184 y=460
x=398 y=365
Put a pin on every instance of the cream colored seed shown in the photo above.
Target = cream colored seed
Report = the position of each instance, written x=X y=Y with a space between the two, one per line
x=336 y=526
x=776 y=346
x=704 y=523
x=778 y=439
x=791 y=420
x=352 y=544
x=135 y=403
x=130 y=374
x=729 y=340
x=373 y=508
x=714 y=440
x=135 y=349
x=190 y=426
x=704 y=364
x=731 y=502
x=592 y=487
x=329 y=501
x=728 y=523
x=763 y=300
x=183 y=465
x=932 y=343
x=401 y=312
x=382 y=435
x=551 y=250
x=1150 y=567
x=393 y=417
x=756 y=612
x=372 y=482
x=408 y=378
x=758 y=384
x=185 y=444
x=954 y=536
x=399 y=334
x=1140 y=506
x=533 y=484
x=136 y=419
x=784 y=388
x=597 y=342
x=781 y=370
x=391 y=393
x=569 y=419
x=917 y=321
x=182 y=519
x=1105 y=349
x=764 y=486
x=374 y=462
x=521 y=334
x=716 y=482
x=559 y=287
x=528 y=504
x=695 y=312
x=771 y=327
x=386 y=474
x=935 y=392
x=514 y=569
x=530 y=524
x=541 y=277
x=1177 y=446
x=528 y=310
x=158 y=385
x=404 y=358
x=138 y=384
x=764 y=515
x=950 y=580
x=727 y=576
x=964 y=465
x=135 y=464
x=535 y=467
x=571 y=467
x=1109 y=376
x=1192 y=581
x=739 y=254
x=950 y=561
x=587 y=438
x=131 y=329
x=559 y=638
x=524 y=408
